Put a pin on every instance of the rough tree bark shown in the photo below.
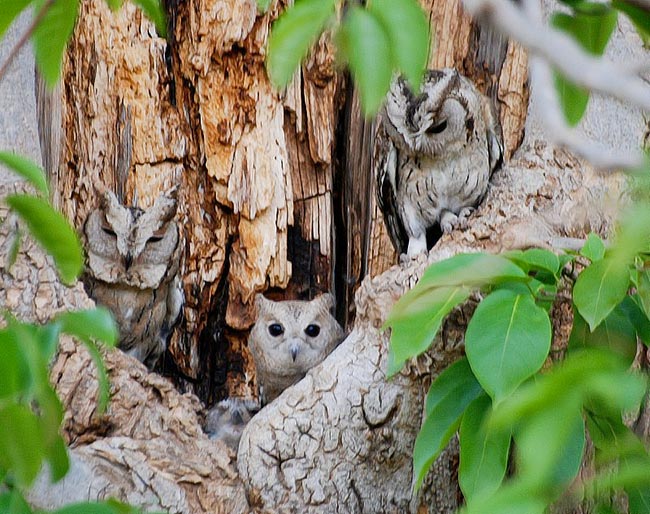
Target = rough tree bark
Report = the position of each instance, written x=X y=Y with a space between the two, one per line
x=258 y=173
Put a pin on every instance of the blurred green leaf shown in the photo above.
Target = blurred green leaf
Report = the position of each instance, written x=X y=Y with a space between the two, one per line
x=93 y=324
x=9 y=11
x=550 y=444
x=642 y=284
x=448 y=397
x=155 y=13
x=14 y=372
x=573 y=99
x=594 y=248
x=513 y=498
x=640 y=17
x=364 y=42
x=600 y=288
x=631 y=306
x=535 y=259
x=507 y=341
x=13 y=503
x=21 y=443
x=53 y=232
x=51 y=35
x=591 y=26
x=418 y=323
x=12 y=255
x=292 y=34
x=57 y=456
x=26 y=169
x=483 y=452
x=410 y=47
x=102 y=376
x=616 y=333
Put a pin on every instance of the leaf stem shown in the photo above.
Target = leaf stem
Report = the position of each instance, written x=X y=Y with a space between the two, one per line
x=28 y=33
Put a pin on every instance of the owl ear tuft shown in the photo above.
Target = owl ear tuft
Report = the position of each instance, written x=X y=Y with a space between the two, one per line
x=107 y=200
x=165 y=206
x=261 y=303
x=326 y=301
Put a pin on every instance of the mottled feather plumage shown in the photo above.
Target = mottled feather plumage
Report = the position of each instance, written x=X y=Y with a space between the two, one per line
x=288 y=339
x=132 y=268
x=434 y=155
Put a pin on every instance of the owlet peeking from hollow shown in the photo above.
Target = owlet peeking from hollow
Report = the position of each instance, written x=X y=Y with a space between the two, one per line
x=434 y=154
x=132 y=269
x=289 y=338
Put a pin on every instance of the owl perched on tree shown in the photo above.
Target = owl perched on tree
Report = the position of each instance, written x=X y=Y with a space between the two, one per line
x=434 y=155
x=132 y=268
x=288 y=339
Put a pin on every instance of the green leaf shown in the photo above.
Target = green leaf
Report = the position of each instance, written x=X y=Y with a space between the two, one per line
x=410 y=47
x=51 y=36
x=155 y=13
x=573 y=99
x=642 y=283
x=639 y=498
x=535 y=259
x=631 y=306
x=13 y=503
x=21 y=443
x=102 y=376
x=550 y=445
x=600 y=288
x=639 y=17
x=483 y=452
x=11 y=9
x=594 y=248
x=26 y=169
x=363 y=40
x=513 y=498
x=507 y=341
x=292 y=34
x=53 y=232
x=14 y=372
x=57 y=456
x=616 y=333
x=448 y=397
x=418 y=323
x=471 y=270
x=591 y=28
x=93 y=324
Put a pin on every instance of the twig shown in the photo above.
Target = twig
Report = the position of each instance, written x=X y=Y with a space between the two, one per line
x=25 y=37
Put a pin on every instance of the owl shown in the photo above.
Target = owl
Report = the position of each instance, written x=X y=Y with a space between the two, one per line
x=132 y=269
x=434 y=154
x=227 y=419
x=288 y=339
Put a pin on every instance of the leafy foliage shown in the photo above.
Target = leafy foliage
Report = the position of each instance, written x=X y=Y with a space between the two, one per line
x=499 y=395
x=371 y=39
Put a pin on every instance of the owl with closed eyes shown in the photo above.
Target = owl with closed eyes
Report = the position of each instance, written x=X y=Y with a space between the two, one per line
x=132 y=268
x=435 y=151
x=288 y=339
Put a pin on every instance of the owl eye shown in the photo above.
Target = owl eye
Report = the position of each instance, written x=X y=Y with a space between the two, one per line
x=275 y=329
x=109 y=231
x=312 y=330
x=154 y=239
x=437 y=129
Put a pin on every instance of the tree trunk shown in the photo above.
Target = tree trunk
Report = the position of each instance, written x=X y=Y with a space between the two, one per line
x=276 y=195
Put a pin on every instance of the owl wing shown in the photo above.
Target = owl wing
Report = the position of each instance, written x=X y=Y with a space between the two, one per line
x=385 y=164
x=494 y=134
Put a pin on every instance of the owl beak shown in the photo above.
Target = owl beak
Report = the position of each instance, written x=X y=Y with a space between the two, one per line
x=128 y=260
x=293 y=349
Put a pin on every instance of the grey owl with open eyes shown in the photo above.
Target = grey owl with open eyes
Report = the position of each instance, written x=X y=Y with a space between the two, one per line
x=132 y=268
x=288 y=339
x=434 y=154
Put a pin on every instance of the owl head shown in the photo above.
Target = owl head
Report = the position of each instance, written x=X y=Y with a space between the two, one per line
x=128 y=245
x=296 y=335
x=438 y=120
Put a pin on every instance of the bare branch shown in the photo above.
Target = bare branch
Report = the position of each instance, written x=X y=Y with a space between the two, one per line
x=552 y=47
